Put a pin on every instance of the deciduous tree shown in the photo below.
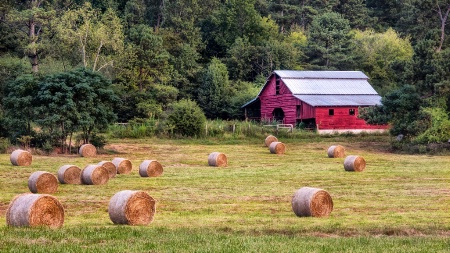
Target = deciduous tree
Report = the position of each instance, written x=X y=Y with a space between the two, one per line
x=96 y=36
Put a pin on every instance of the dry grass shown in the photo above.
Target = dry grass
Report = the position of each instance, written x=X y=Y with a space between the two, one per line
x=395 y=195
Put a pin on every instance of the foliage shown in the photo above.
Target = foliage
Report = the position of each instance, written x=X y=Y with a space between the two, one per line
x=25 y=141
x=19 y=103
x=32 y=21
x=134 y=129
x=185 y=118
x=402 y=109
x=4 y=145
x=79 y=100
x=378 y=51
x=96 y=36
x=329 y=44
x=10 y=68
x=213 y=93
x=47 y=147
x=439 y=131
x=145 y=61
x=98 y=140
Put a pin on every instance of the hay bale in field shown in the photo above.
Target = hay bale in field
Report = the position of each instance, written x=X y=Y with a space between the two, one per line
x=110 y=167
x=150 y=168
x=35 y=210
x=269 y=139
x=217 y=159
x=42 y=182
x=123 y=165
x=87 y=150
x=94 y=174
x=354 y=163
x=277 y=147
x=69 y=174
x=336 y=151
x=132 y=208
x=21 y=157
x=308 y=201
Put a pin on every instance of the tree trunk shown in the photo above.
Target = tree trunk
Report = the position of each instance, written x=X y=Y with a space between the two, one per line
x=141 y=85
x=62 y=138
x=443 y=19
x=97 y=55
x=32 y=53
x=70 y=144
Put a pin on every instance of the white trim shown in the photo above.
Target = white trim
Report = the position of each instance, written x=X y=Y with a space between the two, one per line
x=354 y=131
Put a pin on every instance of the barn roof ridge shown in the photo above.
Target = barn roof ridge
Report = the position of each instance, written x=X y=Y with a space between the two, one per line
x=320 y=74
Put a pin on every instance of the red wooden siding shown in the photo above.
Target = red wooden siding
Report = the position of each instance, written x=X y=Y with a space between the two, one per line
x=307 y=111
x=341 y=119
x=285 y=100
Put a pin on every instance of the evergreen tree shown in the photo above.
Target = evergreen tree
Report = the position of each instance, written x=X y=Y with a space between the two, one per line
x=329 y=43
x=212 y=95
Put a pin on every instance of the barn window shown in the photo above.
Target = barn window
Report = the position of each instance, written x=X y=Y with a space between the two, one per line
x=351 y=111
x=298 y=111
x=277 y=86
x=330 y=111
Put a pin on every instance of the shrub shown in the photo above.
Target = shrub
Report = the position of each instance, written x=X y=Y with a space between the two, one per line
x=4 y=144
x=98 y=140
x=185 y=118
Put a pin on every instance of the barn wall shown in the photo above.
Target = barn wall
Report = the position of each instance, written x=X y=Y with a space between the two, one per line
x=341 y=119
x=285 y=100
x=307 y=111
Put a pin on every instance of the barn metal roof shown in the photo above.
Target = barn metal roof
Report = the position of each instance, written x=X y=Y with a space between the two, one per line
x=340 y=100
x=329 y=86
x=321 y=74
x=250 y=102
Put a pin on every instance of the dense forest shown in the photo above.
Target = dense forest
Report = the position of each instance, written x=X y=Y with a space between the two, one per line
x=75 y=65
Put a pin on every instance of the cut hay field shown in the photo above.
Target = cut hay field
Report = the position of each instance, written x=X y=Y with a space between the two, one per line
x=399 y=203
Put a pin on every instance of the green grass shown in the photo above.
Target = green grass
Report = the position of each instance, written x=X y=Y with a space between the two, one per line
x=399 y=203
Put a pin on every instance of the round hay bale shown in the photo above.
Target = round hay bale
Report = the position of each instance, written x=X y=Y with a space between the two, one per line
x=336 y=151
x=42 y=182
x=35 y=210
x=308 y=201
x=87 y=150
x=150 y=168
x=69 y=174
x=354 y=163
x=123 y=165
x=269 y=139
x=94 y=174
x=21 y=157
x=217 y=159
x=132 y=208
x=110 y=167
x=277 y=147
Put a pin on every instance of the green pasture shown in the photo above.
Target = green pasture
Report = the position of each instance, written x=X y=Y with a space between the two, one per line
x=399 y=203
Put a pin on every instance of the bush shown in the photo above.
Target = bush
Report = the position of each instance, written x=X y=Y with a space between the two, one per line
x=42 y=139
x=185 y=118
x=98 y=140
x=4 y=144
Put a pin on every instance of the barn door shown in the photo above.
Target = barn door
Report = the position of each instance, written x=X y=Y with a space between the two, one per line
x=278 y=115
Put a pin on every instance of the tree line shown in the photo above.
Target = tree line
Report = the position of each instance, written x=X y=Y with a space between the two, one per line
x=139 y=57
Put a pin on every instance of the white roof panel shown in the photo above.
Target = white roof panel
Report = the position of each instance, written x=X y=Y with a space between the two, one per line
x=340 y=100
x=321 y=74
x=329 y=86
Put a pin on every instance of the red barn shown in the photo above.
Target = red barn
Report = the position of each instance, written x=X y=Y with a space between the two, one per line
x=325 y=100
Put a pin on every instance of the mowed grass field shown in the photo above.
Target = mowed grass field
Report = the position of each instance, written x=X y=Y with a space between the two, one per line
x=399 y=203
